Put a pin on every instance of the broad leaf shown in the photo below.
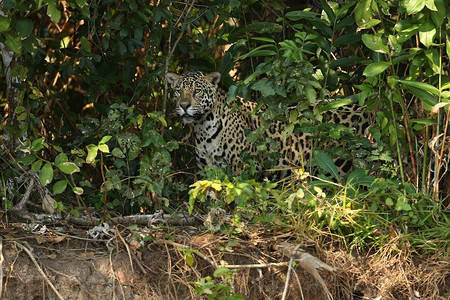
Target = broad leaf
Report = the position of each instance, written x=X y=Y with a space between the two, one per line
x=46 y=174
x=92 y=153
x=375 y=68
x=326 y=163
x=375 y=43
x=4 y=23
x=24 y=27
x=68 y=167
x=59 y=186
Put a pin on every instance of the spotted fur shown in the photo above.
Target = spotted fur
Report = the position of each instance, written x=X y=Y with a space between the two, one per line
x=220 y=130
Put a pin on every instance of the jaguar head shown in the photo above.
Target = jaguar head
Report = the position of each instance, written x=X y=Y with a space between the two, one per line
x=194 y=94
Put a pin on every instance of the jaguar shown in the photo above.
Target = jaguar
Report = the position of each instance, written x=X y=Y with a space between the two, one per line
x=220 y=130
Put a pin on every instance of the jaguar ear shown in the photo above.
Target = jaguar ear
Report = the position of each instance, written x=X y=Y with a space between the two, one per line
x=172 y=78
x=213 y=78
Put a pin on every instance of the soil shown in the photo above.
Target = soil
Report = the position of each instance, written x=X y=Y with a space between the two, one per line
x=140 y=263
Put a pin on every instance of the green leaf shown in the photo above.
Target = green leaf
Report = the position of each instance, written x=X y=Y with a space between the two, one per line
x=287 y=131
x=389 y=202
x=424 y=121
x=85 y=44
x=104 y=148
x=24 y=27
x=359 y=177
x=375 y=43
x=346 y=62
x=222 y=271
x=77 y=190
x=300 y=14
x=37 y=144
x=116 y=152
x=68 y=167
x=370 y=24
x=375 y=68
x=325 y=162
x=310 y=94
x=4 y=23
x=335 y=104
x=46 y=174
x=262 y=27
x=414 y=6
x=347 y=39
x=13 y=43
x=36 y=165
x=428 y=100
x=427 y=31
x=105 y=139
x=420 y=85
x=328 y=10
x=263 y=87
x=260 y=51
x=53 y=12
x=26 y=160
x=92 y=153
x=363 y=12
x=60 y=158
x=59 y=186
x=445 y=86
x=264 y=39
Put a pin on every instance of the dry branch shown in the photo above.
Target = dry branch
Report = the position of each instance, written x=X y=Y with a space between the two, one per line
x=144 y=220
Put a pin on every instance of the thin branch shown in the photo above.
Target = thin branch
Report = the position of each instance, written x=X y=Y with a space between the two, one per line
x=171 y=50
x=20 y=206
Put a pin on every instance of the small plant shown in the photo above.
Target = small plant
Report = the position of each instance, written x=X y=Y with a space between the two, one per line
x=211 y=288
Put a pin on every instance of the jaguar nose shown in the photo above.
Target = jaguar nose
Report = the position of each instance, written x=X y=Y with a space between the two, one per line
x=185 y=105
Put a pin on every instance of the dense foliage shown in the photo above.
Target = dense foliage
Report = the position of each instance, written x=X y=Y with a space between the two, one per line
x=86 y=108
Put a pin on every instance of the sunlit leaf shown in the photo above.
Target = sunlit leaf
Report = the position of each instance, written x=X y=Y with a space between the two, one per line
x=103 y=148
x=363 y=12
x=4 y=23
x=414 y=6
x=375 y=43
x=92 y=153
x=376 y=68
x=53 y=12
x=420 y=85
x=46 y=174
x=68 y=167
x=77 y=190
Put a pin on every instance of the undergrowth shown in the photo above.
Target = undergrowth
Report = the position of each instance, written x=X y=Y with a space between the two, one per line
x=373 y=214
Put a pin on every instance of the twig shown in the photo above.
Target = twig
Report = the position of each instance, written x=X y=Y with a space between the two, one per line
x=128 y=249
x=288 y=275
x=253 y=266
x=299 y=285
x=171 y=50
x=19 y=206
x=39 y=269
x=177 y=245
x=105 y=191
